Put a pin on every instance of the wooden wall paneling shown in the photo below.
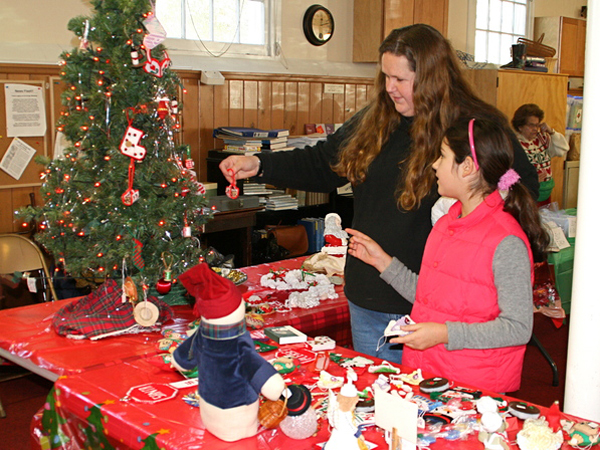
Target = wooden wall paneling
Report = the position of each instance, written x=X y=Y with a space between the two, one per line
x=315 y=112
x=236 y=102
x=327 y=109
x=349 y=101
x=290 y=106
x=220 y=114
x=362 y=96
x=264 y=105
x=338 y=108
x=200 y=138
x=277 y=104
x=6 y=211
x=250 y=103
x=302 y=107
x=398 y=13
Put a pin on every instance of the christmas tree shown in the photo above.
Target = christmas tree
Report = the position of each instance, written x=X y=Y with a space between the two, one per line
x=122 y=194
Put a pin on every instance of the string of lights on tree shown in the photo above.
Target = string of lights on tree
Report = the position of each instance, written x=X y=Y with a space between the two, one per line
x=123 y=189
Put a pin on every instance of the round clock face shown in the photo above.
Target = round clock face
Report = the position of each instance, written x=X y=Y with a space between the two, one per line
x=318 y=25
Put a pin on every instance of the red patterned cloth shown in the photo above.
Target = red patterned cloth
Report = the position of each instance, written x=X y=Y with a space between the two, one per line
x=102 y=314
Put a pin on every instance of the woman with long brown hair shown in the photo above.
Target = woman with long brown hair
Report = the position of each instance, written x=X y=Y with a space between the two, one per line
x=387 y=151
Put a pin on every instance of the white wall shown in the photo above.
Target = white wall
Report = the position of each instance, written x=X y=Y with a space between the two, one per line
x=35 y=31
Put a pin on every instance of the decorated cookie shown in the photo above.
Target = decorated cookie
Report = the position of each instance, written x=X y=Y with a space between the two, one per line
x=436 y=384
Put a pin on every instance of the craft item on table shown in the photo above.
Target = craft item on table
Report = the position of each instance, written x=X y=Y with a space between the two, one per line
x=365 y=405
x=523 y=410
x=261 y=347
x=582 y=434
x=384 y=367
x=394 y=328
x=320 y=343
x=382 y=383
x=301 y=421
x=192 y=399
x=492 y=431
x=298 y=353
x=554 y=416
x=272 y=412
x=536 y=434
x=284 y=365
x=322 y=362
x=456 y=392
x=345 y=434
x=237 y=276
x=146 y=313
x=102 y=314
x=151 y=393
x=329 y=381
x=357 y=361
x=285 y=334
x=425 y=403
x=436 y=419
x=231 y=374
x=436 y=384
x=308 y=289
x=413 y=378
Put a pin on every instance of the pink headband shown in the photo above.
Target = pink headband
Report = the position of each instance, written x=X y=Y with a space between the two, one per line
x=472 y=143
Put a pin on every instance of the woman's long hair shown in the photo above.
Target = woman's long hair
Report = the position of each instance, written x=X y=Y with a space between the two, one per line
x=495 y=154
x=440 y=95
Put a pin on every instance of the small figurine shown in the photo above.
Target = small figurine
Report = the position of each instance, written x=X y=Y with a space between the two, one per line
x=336 y=239
x=231 y=374
x=582 y=434
x=493 y=426
x=345 y=434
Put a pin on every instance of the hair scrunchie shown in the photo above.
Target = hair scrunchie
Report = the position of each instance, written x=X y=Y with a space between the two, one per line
x=508 y=179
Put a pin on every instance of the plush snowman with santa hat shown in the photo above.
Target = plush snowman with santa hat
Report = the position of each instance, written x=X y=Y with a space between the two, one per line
x=231 y=374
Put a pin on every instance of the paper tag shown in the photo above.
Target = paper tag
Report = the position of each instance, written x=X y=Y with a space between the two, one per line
x=572 y=226
x=31 y=285
x=558 y=236
x=190 y=382
x=156 y=32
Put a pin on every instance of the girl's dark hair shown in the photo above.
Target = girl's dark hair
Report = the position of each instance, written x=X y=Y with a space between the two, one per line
x=495 y=154
x=524 y=112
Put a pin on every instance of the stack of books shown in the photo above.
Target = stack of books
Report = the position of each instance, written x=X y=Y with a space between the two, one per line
x=251 y=140
x=535 y=64
x=279 y=202
x=256 y=189
x=321 y=128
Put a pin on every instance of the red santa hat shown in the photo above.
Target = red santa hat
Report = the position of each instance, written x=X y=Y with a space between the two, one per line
x=215 y=295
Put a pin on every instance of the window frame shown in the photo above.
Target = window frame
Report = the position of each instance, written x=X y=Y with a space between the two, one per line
x=472 y=27
x=234 y=50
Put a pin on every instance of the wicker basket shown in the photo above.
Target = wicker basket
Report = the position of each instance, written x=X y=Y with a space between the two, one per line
x=271 y=413
x=536 y=48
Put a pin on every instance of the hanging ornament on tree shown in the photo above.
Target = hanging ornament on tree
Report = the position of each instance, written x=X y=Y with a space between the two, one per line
x=145 y=313
x=130 y=196
x=156 y=32
x=174 y=106
x=187 y=230
x=163 y=286
x=130 y=144
x=155 y=67
x=163 y=107
x=138 y=260
x=189 y=162
x=84 y=43
x=136 y=60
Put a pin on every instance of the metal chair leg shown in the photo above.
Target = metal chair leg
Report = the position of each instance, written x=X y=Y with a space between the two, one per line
x=546 y=355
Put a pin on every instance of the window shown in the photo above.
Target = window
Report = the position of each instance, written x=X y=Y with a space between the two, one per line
x=218 y=26
x=498 y=25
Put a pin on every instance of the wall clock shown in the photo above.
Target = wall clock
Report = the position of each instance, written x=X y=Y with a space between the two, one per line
x=318 y=25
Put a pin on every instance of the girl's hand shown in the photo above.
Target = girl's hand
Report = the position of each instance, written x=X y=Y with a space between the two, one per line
x=367 y=250
x=242 y=167
x=424 y=335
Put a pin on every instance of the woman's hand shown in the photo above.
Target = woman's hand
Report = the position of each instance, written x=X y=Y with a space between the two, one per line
x=423 y=335
x=367 y=250
x=545 y=128
x=241 y=166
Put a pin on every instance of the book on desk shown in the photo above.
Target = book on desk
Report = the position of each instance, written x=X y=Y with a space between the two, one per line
x=286 y=334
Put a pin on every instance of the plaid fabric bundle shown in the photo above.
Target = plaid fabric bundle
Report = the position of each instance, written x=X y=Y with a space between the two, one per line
x=102 y=314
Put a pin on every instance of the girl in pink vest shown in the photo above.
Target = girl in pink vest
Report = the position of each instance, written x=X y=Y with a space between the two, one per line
x=473 y=295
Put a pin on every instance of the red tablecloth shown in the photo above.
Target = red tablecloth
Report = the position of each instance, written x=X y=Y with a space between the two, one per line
x=89 y=410
x=27 y=337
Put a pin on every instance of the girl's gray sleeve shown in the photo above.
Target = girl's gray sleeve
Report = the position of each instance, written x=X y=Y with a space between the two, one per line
x=401 y=278
x=512 y=277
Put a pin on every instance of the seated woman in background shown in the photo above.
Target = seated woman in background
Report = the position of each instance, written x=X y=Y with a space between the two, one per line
x=541 y=144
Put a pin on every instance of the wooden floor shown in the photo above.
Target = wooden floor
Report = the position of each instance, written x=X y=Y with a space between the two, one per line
x=23 y=397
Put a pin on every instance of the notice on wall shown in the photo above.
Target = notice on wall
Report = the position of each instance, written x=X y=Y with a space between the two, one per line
x=25 y=111
x=16 y=158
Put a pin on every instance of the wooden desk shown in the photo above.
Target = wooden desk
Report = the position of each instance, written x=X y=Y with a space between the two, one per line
x=240 y=222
